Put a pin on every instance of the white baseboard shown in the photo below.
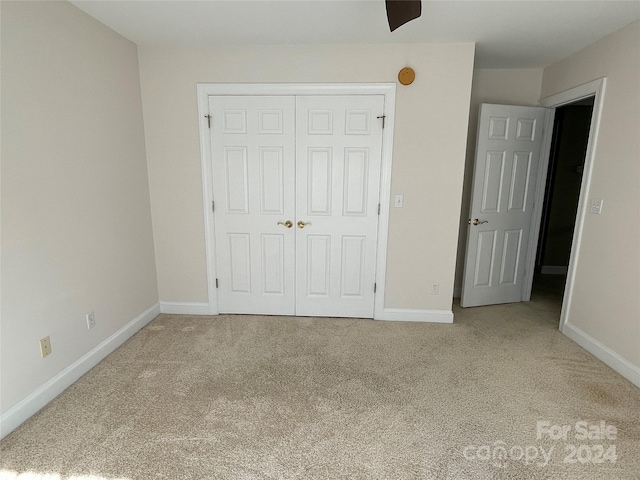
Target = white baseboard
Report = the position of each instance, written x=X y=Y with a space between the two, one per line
x=185 y=308
x=392 y=314
x=20 y=412
x=625 y=368
x=554 y=270
x=408 y=315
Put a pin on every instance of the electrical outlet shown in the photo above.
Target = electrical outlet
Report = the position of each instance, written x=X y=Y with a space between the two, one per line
x=435 y=289
x=45 y=346
x=91 y=320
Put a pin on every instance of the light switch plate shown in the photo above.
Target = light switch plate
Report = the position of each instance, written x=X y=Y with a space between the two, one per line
x=595 y=206
x=398 y=201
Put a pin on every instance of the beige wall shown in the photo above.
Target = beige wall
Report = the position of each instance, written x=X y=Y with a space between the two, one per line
x=428 y=157
x=504 y=87
x=76 y=226
x=606 y=300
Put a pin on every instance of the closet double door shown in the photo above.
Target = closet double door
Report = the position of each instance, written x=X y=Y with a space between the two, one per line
x=296 y=183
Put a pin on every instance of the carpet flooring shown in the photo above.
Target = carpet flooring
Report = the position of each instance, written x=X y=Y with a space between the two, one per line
x=246 y=397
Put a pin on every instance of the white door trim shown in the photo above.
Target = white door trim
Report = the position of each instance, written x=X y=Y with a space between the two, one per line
x=594 y=88
x=536 y=217
x=386 y=89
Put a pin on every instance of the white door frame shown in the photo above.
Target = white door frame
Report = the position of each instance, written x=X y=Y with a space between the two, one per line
x=204 y=90
x=594 y=88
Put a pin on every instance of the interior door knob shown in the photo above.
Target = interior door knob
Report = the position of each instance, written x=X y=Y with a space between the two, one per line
x=287 y=224
x=302 y=224
x=479 y=222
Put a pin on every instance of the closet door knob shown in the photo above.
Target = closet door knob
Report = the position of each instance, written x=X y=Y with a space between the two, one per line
x=302 y=224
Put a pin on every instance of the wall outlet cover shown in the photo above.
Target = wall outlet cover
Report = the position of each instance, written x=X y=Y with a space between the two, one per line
x=45 y=346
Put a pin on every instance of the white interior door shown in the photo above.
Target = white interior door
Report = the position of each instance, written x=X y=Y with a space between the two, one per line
x=504 y=184
x=339 y=149
x=313 y=161
x=253 y=153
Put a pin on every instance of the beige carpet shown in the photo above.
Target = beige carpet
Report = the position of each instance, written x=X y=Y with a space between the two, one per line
x=244 y=397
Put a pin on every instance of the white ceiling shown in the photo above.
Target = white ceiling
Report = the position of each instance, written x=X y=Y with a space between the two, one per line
x=509 y=34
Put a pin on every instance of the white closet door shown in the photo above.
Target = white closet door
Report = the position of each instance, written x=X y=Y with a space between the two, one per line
x=253 y=151
x=339 y=148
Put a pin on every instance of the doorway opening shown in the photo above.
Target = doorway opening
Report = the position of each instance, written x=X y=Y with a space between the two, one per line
x=569 y=143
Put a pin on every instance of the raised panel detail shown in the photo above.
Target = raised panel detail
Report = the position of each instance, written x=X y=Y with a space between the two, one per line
x=485 y=254
x=510 y=256
x=353 y=250
x=320 y=122
x=492 y=187
x=234 y=121
x=318 y=265
x=358 y=122
x=520 y=175
x=270 y=122
x=526 y=129
x=356 y=170
x=271 y=180
x=235 y=160
x=319 y=186
x=498 y=128
x=239 y=262
x=272 y=253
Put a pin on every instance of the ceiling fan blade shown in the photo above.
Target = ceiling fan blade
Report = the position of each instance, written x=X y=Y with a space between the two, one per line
x=400 y=12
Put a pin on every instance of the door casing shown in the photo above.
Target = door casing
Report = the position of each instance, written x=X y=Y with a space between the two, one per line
x=595 y=88
x=386 y=89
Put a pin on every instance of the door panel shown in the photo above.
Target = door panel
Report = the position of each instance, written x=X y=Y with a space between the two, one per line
x=252 y=142
x=239 y=258
x=493 y=175
x=271 y=180
x=237 y=179
x=339 y=150
x=273 y=260
x=318 y=266
x=505 y=172
x=319 y=181
x=356 y=166
x=353 y=258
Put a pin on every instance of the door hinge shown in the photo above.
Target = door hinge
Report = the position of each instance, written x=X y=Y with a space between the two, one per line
x=213 y=206
x=208 y=117
x=378 y=209
x=216 y=283
x=375 y=287
x=382 y=117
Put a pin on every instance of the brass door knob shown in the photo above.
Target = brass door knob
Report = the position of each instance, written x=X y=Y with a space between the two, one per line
x=287 y=224
x=302 y=224
x=479 y=222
